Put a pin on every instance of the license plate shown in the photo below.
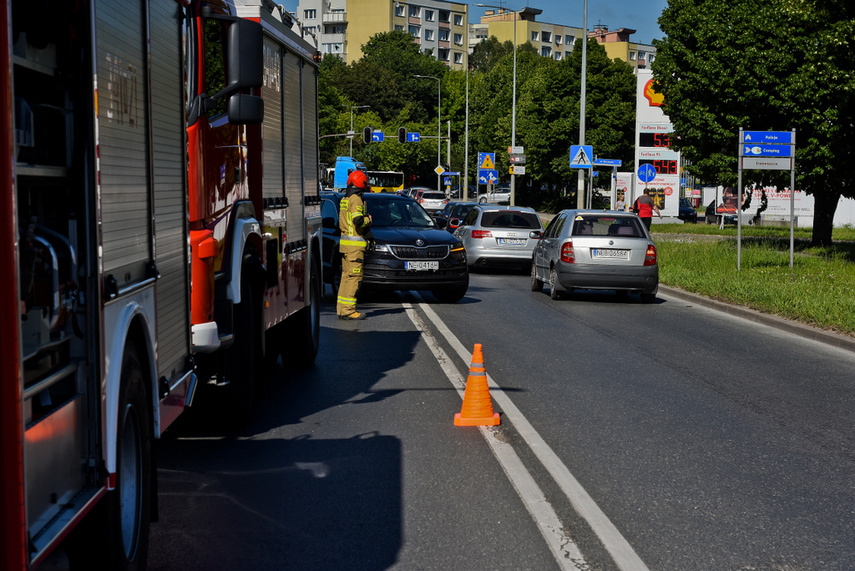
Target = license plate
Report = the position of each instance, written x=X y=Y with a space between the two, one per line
x=612 y=254
x=421 y=266
x=512 y=241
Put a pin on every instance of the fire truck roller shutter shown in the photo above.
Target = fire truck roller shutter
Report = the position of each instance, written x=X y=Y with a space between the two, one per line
x=294 y=173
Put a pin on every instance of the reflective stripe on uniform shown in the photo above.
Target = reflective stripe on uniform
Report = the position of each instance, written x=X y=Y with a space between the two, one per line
x=346 y=300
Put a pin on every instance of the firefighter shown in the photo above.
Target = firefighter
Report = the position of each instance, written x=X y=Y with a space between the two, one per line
x=354 y=223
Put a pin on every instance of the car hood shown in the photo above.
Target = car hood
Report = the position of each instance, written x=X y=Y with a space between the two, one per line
x=407 y=236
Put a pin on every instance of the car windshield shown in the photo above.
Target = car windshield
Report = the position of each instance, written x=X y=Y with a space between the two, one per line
x=599 y=225
x=386 y=213
x=510 y=219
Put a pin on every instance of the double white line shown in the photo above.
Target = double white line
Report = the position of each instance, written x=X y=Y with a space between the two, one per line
x=563 y=548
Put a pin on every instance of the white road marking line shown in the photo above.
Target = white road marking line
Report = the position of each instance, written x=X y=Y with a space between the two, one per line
x=563 y=548
x=618 y=547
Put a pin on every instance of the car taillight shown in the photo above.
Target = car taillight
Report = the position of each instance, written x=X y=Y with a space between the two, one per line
x=482 y=234
x=568 y=255
x=650 y=256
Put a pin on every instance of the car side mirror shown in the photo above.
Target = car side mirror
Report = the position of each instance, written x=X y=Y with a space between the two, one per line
x=536 y=234
x=455 y=222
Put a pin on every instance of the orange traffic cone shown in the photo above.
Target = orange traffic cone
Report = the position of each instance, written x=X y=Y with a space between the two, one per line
x=477 y=407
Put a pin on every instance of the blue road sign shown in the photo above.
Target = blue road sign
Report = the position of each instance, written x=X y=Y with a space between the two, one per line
x=488 y=176
x=377 y=137
x=646 y=173
x=581 y=156
x=607 y=162
x=767 y=150
x=767 y=137
x=486 y=161
x=446 y=180
x=414 y=137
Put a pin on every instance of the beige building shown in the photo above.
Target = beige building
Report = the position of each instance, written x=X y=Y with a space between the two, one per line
x=343 y=26
x=556 y=41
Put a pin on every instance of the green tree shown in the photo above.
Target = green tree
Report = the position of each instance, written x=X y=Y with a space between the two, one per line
x=771 y=66
x=488 y=52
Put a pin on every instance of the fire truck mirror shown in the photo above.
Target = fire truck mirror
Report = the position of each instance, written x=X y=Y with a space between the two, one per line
x=245 y=109
x=245 y=64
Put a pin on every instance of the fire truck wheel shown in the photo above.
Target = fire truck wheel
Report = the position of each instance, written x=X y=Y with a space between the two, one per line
x=304 y=333
x=129 y=505
x=245 y=354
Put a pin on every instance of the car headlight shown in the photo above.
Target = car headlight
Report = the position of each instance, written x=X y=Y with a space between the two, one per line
x=457 y=247
x=381 y=248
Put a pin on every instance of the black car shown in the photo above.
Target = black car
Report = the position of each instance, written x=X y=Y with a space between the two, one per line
x=687 y=212
x=407 y=252
x=450 y=220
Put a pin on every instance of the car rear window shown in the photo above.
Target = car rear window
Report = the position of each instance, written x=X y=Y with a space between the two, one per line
x=506 y=219
x=433 y=195
x=594 y=225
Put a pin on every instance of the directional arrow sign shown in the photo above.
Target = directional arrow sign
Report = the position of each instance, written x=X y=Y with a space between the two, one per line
x=607 y=162
x=767 y=150
x=413 y=137
x=377 y=137
x=488 y=176
x=768 y=137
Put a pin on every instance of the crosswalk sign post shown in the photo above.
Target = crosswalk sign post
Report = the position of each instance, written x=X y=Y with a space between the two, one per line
x=581 y=156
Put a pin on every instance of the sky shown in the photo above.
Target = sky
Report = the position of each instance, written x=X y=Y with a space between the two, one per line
x=615 y=14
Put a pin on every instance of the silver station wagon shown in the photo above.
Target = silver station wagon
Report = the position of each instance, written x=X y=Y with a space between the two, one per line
x=499 y=236
x=595 y=249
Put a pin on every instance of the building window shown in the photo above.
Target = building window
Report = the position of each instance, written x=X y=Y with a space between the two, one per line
x=428 y=15
x=310 y=14
x=569 y=40
x=557 y=56
x=443 y=54
x=399 y=28
x=557 y=39
x=333 y=48
x=443 y=35
x=336 y=29
x=546 y=52
x=414 y=31
x=631 y=56
x=535 y=36
x=458 y=20
x=642 y=55
x=444 y=16
x=429 y=35
x=414 y=11
x=458 y=57
x=650 y=58
x=458 y=39
x=547 y=36
x=400 y=10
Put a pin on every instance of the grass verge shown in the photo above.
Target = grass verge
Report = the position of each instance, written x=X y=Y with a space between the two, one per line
x=819 y=290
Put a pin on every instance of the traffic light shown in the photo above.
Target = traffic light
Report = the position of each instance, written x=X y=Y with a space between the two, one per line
x=366 y=134
x=402 y=134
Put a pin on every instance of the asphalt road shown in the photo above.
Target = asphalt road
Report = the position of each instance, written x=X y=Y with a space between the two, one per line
x=702 y=440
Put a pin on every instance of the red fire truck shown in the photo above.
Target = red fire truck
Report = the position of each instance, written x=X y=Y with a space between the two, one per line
x=159 y=224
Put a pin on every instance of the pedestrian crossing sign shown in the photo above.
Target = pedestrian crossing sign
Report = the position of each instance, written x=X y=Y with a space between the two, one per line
x=581 y=156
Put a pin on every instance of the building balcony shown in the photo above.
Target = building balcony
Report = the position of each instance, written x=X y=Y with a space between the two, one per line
x=443 y=44
x=414 y=20
x=334 y=38
x=334 y=17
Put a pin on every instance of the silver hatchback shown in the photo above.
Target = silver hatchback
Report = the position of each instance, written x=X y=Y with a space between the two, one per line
x=595 y=249
x=499 y=235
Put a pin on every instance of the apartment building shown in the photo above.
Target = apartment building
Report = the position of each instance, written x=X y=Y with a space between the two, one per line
x=343 y=26
x=619 y=46
x=556 y=41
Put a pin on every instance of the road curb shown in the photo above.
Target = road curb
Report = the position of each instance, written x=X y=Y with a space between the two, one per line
x=806 y=331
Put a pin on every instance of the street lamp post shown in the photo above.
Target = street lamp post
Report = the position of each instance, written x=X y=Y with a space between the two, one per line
x=350 y=134
x=580 y=193
x=438 y=125
x=513 y=97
